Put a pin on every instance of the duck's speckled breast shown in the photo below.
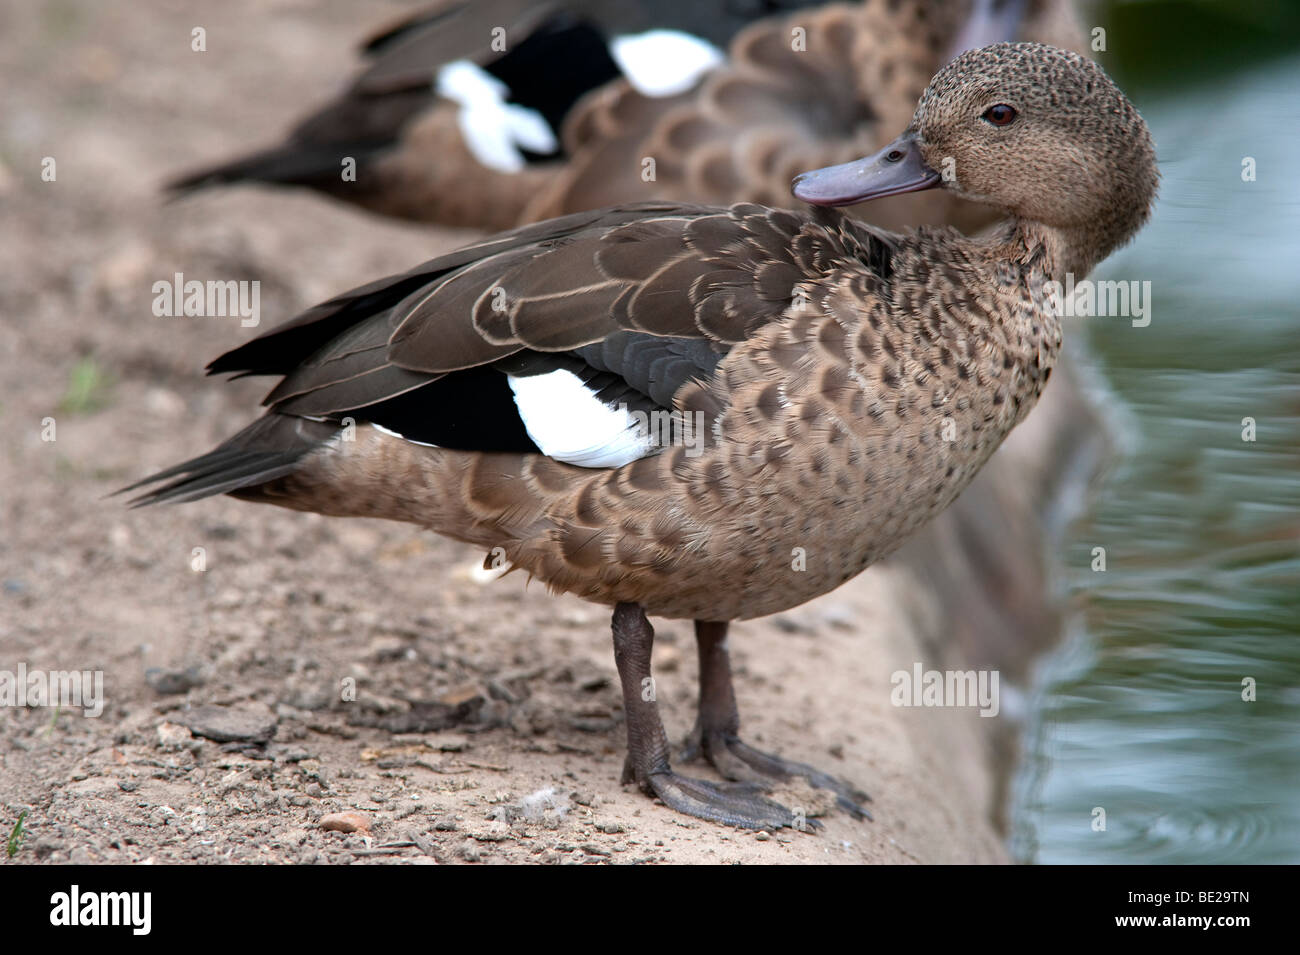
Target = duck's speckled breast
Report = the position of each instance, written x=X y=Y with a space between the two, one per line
x=848 y=425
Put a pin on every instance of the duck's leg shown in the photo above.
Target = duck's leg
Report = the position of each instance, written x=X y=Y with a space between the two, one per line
x=715 y=736
x=647 y=744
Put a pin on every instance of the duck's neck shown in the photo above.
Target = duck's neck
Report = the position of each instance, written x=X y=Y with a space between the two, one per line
x=1059 y=251
x=1052 y=250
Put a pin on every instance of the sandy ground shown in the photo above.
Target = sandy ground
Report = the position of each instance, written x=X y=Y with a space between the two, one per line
x=486 y=725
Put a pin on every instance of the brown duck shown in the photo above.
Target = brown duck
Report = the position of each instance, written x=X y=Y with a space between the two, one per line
x=709 y=413
x=796 y=91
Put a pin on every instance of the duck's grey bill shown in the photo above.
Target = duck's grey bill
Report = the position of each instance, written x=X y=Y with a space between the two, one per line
x=895 y=169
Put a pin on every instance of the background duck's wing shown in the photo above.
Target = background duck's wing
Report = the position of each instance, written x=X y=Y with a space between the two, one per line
x=413 y=155
x=410 y=51
x=798 y=92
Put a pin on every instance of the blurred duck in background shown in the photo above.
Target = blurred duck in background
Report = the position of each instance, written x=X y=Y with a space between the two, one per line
x=494 y=114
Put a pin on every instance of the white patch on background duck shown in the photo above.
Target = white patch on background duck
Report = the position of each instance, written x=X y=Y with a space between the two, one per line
x=664 y=62
x=495 y=131
x=570 y=424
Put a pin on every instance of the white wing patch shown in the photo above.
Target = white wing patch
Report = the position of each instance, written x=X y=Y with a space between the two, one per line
x=494 y=130
x=570 y=424
x=664 y=62
x=382 y=429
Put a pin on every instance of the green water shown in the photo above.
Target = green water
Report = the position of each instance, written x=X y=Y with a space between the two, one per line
x=1140 y=712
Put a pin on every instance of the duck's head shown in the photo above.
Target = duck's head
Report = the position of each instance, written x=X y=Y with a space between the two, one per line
x=1038 y=132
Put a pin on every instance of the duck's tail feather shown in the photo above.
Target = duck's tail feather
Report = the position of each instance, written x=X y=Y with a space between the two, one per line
x=270 y=448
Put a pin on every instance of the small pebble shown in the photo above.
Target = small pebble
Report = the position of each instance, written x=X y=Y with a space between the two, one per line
x=254 y=723
x=170 y=682
x=345 y=822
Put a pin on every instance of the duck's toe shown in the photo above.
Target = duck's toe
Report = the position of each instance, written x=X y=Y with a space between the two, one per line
x=737 y=760
x=732 y=804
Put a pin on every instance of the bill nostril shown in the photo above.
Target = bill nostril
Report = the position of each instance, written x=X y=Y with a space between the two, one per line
x=894 y=155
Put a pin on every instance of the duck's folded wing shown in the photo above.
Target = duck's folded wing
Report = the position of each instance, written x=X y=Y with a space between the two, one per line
x=680 y=272
x=549 y=339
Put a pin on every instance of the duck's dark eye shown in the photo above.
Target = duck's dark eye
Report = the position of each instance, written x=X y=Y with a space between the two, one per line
x=1000 y=115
